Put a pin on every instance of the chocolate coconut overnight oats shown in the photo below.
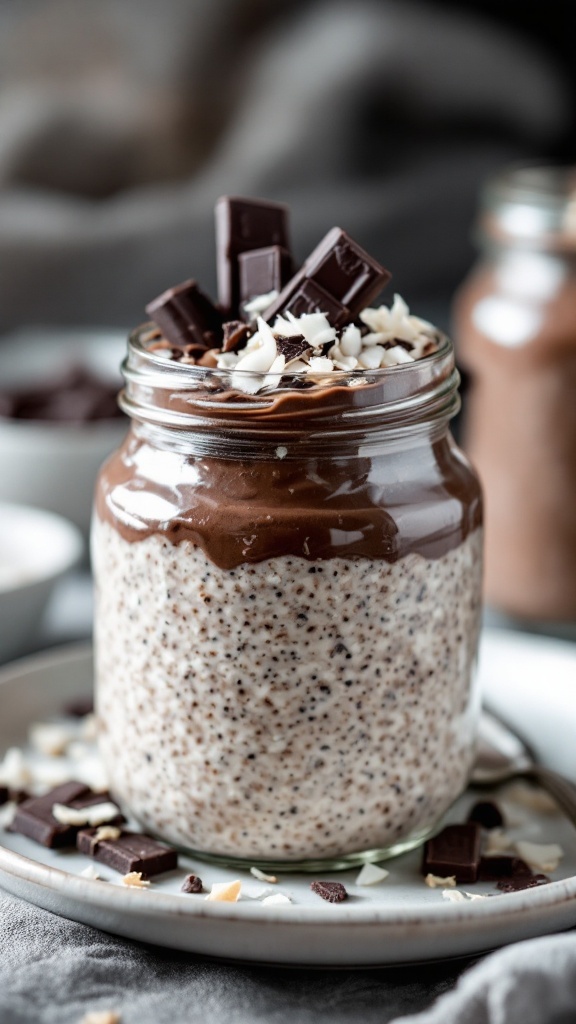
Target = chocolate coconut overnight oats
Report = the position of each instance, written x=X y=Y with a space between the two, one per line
x=287 y=553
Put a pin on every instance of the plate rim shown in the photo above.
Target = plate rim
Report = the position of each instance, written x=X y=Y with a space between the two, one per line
x=451 y=918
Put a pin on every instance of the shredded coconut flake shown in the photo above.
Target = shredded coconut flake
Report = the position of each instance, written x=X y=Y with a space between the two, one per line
x=498 y=841
x=90 y=872
x=262 y=877
x=540 y=856
x=435 y=881
x=134 y=880
x=225 y=892
x=371 y=874
x=453 y=895
x=95 y=815
x=276 y=898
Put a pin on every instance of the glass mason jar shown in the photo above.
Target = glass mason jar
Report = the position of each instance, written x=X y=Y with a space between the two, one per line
x=515 y=331
x=287 y=610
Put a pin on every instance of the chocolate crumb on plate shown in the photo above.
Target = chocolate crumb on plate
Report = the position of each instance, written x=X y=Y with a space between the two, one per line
x=332 y=892
x=522 y=882
x=192 y=883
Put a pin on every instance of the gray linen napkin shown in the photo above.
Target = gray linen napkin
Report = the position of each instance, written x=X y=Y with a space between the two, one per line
x=53 y=971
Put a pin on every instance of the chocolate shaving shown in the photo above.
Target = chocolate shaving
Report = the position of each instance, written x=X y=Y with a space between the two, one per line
x=235 y=333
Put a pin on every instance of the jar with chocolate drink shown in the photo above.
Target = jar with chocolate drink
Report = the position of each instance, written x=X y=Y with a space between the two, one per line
x=287 y=553
x=515 y=329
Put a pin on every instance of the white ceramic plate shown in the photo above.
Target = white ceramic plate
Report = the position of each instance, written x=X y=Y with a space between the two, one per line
x=400 y=920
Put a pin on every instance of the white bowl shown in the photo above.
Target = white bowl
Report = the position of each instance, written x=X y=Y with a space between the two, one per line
x=36 y=549
x=54 y=465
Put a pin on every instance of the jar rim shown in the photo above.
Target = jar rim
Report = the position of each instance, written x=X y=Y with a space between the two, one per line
x=527 y=203
x=190 y=397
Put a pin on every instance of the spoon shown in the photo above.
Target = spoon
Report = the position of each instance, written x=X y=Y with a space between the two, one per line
x=502 y=755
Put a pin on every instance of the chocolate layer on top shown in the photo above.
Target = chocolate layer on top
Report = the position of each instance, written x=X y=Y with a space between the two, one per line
x=245 y=511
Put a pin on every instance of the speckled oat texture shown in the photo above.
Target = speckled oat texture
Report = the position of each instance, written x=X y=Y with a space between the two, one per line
x=285 y=710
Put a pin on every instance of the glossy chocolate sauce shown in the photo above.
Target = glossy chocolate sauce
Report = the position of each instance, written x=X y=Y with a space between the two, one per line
x=419 y=498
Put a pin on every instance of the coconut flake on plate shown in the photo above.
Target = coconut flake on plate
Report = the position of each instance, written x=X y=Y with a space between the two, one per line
x=371 y=874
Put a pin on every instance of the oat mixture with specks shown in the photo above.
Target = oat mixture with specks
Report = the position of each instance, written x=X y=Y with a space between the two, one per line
x=285 y=710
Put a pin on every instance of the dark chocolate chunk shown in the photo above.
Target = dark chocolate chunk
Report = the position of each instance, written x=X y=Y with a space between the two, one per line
x=487 y=814
x=291 y=348
x=130 y=852
x=186 y=316
x=80 y=707
x=235 y=333
x=522 y=882
x=332 y=892
x=454 y=851
x=339 y=279
x=34 y=817
x=242 y=225
x=491 y=869
x=263 y=271
x=4 y=795
x=192 y=883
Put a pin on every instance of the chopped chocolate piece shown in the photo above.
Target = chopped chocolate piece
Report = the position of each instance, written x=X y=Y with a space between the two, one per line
x=454 y=851
x=292 y=348
x=4 y=795
x=242 y=225
x=332 y=892
x=129 y=852
x=192 y=883
x=34 y=816
x=492 y=868
x=522 y=882
x=79 y=708
x=186 y=316
x=339 y=279
x=487 y=814
x=263 y=271
x=235 y=334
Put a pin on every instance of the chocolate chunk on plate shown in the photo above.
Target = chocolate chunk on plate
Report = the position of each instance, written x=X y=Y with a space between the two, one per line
x=34 y=818
x=487 y=814
x=4 y=795
x=332 y=892
x=131 y=851
x=192 y=883
x=492 y=869
x=454 y=851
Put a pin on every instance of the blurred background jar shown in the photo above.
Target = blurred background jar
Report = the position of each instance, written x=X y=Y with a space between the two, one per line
x=515 y=329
